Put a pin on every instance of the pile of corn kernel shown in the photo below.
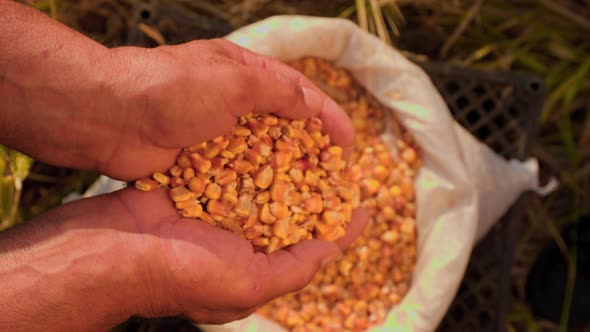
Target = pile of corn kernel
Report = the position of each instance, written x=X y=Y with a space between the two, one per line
x=270 y=180
x=357 y=290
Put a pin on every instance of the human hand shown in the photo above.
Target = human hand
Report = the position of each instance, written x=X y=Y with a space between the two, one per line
x=176 y=96
x=126 y=112
x=106 y=258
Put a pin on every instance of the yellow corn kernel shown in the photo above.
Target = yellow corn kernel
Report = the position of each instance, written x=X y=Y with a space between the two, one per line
x=217 y=209
x=161 y=178
x=226 y=176
x=175 y=170
x=311 y=179
x=206 y=217
x=292 y=132
x=332 y=202
x=253 y=157
x=336 y=233
x=293 y=198
x=265 y=214
x=370 y=187
x=275 y=132
x=320 y=140
x=280 y=228
x=286 y=146
x=333 y=218
x=213 y=191
x=279 y=191
x=273 y=245
x=199 y=163
x=243 y=206
x=306 y=141
x=211 y=151
x=263 y=149
x=279 y=210
x=197 y=147
x=196 y=185
x=313 y=124
x=175 y=181
x=253 y=232
x=242 y=166
x=146 y=184
x=237 y=145
x=221 y=141
x=409 y=155
x=313 y=204
x=270 y=120
x=187 y=174
x=281 y=159
x=264 y=176
x=296 y=175
x=192 y=212
x=262 y=197
x=229 y=199
x=183 y=161
x=180 y=194
x=241 y=131
x=227 y=154
x=258 y=128
x=187 y=204
x=261 y=242
x=247 y=184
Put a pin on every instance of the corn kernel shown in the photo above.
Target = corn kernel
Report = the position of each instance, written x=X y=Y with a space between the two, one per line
x=281 y=159
x=196 y=185
x=281 y=228
x=192 y=211
x=265 y=215
x=264 y=176
x=241 y=131
x=176 y=181
x=199 y=163
x=279 y=191
x=333 y=218
x=226 y=176
x=161 y=178
x=217 y=209
x=253 y=232
x=313 y=204
x=279 y=210
x=261 y=242
x=213 y=191
x=189 y=203
x=180 y=194
x=146 y=184
x=175 y=170
x=183 y=161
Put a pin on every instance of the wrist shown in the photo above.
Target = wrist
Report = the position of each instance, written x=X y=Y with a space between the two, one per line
x=52 y=80
x=67 y=266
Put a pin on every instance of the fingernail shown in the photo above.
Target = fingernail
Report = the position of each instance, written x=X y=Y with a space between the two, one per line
x=329 y=259
x=312 y=98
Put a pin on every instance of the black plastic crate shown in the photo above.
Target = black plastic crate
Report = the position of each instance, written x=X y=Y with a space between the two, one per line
x=501 y=110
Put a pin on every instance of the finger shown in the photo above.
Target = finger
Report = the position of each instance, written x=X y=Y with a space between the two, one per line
x=360 y=220
x=291 y=269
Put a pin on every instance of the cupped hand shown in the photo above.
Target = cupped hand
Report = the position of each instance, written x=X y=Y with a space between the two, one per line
x=176 y=96
x=212 y=275
x=106 y=258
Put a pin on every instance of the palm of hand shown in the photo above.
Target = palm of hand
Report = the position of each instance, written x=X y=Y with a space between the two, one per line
x=209 y=274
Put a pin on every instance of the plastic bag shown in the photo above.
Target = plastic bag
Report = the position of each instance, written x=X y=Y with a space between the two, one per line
x=459 y=195
x=462 y=189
